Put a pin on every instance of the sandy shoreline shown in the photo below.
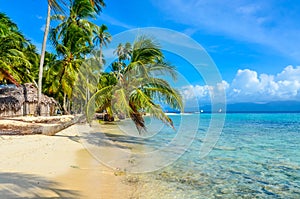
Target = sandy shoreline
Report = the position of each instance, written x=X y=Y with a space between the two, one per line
x=56 y=166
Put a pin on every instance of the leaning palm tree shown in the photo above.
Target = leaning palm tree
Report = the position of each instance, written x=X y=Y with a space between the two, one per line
x=138 y=89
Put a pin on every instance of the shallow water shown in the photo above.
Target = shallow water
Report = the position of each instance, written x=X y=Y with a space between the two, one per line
x=256 y=156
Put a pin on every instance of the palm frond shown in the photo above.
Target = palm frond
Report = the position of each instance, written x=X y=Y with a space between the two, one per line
x=99 y=99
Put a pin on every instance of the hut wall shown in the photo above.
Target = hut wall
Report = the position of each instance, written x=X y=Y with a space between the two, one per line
x=19 y=112
x=11 y=113
x=45 y=110
x=31 y=108
x=25 y=99
x=52 y=109
x=25 y=109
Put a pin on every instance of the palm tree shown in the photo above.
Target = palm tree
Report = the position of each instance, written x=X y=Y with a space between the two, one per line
x=87 y=81
x=61 y=77
x=98 y=5
x=102 y=37
x=73 y=41
x=56 y=6
x=15 y=63
x=33 y=57
x=138 y=88
x=124 y=52
x=76 y=26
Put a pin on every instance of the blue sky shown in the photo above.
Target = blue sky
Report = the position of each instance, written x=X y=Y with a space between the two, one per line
x=255 y=44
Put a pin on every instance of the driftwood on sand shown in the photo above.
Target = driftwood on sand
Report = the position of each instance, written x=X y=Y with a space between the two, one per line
x=37 y=125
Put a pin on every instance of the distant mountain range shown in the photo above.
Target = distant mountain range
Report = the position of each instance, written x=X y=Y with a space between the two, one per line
x=278 y=106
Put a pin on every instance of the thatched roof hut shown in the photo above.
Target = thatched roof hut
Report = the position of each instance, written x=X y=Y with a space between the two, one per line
x=22 y=100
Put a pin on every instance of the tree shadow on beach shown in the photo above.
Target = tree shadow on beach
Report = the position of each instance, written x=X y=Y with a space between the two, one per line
x=116 y=140
x=101 y=140
x=70 y=137
x=19 y=185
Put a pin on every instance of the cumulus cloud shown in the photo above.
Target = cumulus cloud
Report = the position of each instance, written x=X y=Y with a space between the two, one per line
x=249 y=86
x=290 y=73
x=205 y=93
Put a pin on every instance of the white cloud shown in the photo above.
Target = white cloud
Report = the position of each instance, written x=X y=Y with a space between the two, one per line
x=290 y=73
x=115 y=22
x=197 y=91
x=205 y=93
x=43 y=28
x=249 y=9
x=39 y=17
x=248 y=86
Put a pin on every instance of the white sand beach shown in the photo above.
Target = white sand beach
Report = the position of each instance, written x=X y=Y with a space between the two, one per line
x=35 y=166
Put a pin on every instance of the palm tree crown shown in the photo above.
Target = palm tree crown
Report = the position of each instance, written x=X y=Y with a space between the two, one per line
x=135 y=88
x=18 y=57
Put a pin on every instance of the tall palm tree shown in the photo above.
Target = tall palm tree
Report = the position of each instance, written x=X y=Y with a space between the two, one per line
x=137 y=88
x=75 y=26
x=73 y=41
x=61 y=77
x=123 y=52
x=56 y=6
x=102 y=37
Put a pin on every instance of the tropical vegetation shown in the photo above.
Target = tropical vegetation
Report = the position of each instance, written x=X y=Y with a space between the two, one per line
x=133 y=86
x=18 y=57
x=73 y=74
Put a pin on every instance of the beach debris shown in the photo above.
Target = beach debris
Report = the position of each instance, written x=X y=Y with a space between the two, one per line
x=119 y=172
x=75 y=167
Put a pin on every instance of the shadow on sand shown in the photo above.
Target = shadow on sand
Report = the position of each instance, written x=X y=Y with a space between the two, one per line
x=119 y=141
x=18 y=185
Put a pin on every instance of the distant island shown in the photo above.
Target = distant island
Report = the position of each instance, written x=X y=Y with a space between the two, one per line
x=247 y=107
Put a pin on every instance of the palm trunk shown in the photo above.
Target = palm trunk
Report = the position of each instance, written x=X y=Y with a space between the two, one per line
x=137 y=118
x=65 y=104
x=69 y=106
x=101 y=62
x=41 y=68
x=87 y=91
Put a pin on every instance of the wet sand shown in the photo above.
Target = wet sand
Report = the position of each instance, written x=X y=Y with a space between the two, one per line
x=57 y=166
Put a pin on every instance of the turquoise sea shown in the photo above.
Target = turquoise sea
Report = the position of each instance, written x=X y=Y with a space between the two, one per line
x=256 y=156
